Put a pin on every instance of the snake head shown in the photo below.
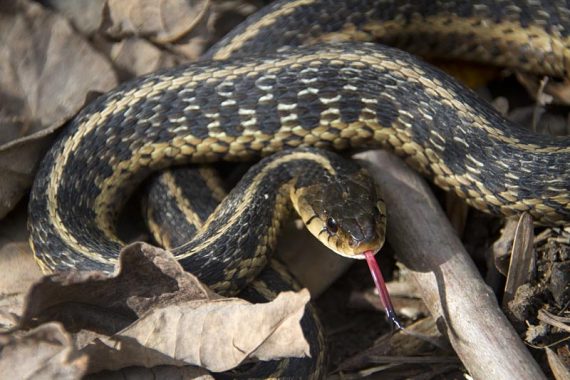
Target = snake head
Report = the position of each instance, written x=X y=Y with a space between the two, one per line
x=345 y=213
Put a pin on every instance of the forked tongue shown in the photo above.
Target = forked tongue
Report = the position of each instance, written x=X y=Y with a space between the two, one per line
x=382 y=291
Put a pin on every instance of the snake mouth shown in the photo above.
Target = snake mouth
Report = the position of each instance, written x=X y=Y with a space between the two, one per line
x=355 y=247
x=358 y=250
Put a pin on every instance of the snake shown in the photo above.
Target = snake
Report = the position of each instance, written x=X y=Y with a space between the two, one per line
x=308 y=73
x=176 y=204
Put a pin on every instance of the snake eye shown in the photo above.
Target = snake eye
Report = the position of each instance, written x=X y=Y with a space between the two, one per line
x=332 y=227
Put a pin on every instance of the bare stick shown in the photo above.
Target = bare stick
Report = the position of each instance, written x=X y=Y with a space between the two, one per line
x=463 y=306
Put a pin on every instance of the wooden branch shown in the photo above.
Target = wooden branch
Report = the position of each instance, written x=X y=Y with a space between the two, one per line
x=462 y=304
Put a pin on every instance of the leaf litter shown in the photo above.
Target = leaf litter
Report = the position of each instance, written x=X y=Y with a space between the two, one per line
x=151 y=313
x=46 y=72
x=102 y=42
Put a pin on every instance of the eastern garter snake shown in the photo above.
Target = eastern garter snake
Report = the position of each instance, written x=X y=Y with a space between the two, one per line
x=178 y=202
x=340 y=96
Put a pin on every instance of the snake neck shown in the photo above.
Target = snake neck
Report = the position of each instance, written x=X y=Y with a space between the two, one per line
x=227 y=250
x=178 y=203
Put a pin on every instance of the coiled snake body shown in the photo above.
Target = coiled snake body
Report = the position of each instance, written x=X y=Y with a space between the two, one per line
x=252 y=101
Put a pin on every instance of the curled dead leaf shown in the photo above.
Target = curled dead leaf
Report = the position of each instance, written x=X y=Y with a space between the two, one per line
x=557 y=365
x=146 y=278
x=152 y=312
x=136 y=56
x=47 y=352
x=160 y=372
x=85 y=15
x=217 y=335
x=44 y=83
x=18 y=161
x=46 y=71
x=17 y=265
x=159 y=21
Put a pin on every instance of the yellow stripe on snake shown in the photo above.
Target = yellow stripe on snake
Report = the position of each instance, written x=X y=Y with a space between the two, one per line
x=244 y=100
x=177 y=204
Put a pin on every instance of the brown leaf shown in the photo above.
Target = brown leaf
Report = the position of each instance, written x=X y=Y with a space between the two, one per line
x=520 y=267
x=297 y=239
x=46 y=71
x=154 y=313
x=159 y=21
x=136 y=56
x=85 y=15
x=559 y=370
x=18 y=161
x=160 y=372
x=147 y=277
x=17 y=265
x=217 y=335
x=193 y=44
x=502 y=246
x=43 y=353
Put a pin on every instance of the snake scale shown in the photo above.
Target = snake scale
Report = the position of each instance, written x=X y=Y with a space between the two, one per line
x=177 y=204
x=321 y=89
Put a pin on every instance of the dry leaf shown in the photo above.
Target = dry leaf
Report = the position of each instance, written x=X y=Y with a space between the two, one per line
x=192 y=45
x=85 y=15
x=43 y=353
x=559 y=284
x=147 y=278
x=199 y=333
x=17 y=265
x=19 y=271
x=160 y=372
x=559 y=370
x=157 y=20
x=136 y=56
x=330 y=267
x=154 y=313
x=18 y=161
x=502 y=246
x=46 y=71
x=522 y=254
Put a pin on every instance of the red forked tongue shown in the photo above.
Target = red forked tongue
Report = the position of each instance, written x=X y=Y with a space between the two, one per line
x=382 y=291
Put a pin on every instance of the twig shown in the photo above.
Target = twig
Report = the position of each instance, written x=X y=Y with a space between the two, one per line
x=464 y=307
x=554 y=320
x=522 y=253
